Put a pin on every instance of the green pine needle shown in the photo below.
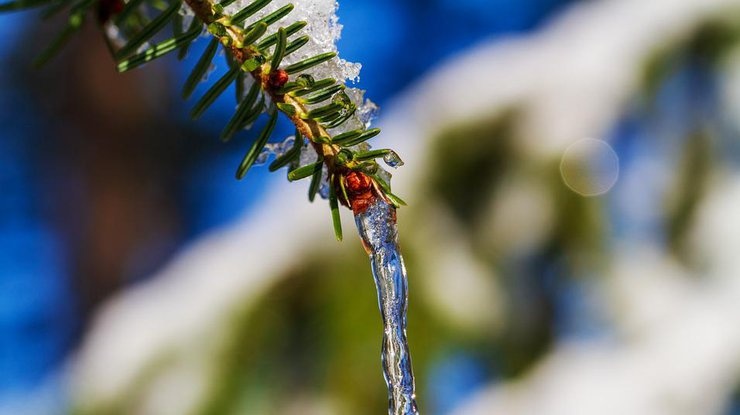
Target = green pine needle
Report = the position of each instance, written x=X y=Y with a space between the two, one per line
x=242 y=112
x=253 y=114
x=316 y=86
x=159 y=50
x=248 y=11
x=210 y=96
x=371 y=155
x=310 y=62
x=257 y=147
x=326 y=110
x=296 y=44
x=349 y=135
x=336 y=218
x=255 y=33
x=313 y=188
x=280 y=46
x=272 y=39
x=22 y=5
x=340 y=120
x=275 y=16
x=146 y=34
x=324 y=94
x=290 y=155
x=200 y=69
x=305 y=171
x=225 y=3
x=350 y=139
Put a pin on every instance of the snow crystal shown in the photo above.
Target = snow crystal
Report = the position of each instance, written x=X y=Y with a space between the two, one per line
x=276 y=149
x=308 y=155
x=323 y=29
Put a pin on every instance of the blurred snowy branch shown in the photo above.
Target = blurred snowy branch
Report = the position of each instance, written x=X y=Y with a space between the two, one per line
x=191 y=300
x=679 y=350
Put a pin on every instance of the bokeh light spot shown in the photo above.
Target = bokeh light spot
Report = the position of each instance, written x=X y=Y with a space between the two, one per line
x=590 y=167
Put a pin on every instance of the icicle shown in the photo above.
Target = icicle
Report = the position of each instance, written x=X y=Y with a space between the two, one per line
x=377 y=227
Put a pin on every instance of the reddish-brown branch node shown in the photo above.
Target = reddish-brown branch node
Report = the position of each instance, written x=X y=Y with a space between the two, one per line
x=361 y=191
x=277 y=79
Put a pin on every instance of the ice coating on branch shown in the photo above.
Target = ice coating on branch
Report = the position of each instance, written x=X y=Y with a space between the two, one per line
x=323 y=28
x=367 y=111
x=275 y=149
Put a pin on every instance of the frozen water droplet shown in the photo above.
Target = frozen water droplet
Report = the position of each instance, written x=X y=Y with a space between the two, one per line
x=342 y=99
x=393 y=160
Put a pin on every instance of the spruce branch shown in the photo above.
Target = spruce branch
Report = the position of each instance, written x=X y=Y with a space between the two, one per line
x=314 y=106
